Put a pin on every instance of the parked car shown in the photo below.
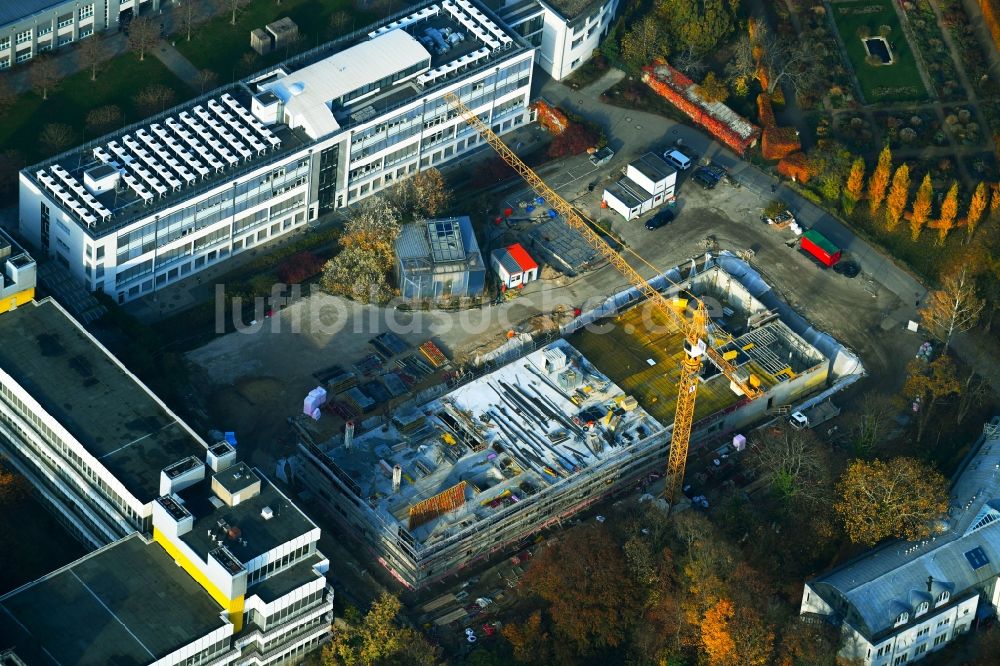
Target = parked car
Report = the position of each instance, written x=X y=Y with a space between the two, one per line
x=661 y=219
x=848 y=269
x=704 y=179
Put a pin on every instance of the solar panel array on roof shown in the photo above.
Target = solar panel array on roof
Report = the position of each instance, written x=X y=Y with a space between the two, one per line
x=977 y=558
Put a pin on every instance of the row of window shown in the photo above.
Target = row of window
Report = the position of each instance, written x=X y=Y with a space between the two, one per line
x=265 y=571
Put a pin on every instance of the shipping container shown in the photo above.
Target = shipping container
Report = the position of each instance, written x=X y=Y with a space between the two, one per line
x=820 y=247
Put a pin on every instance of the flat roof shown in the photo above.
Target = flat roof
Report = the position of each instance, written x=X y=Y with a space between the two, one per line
x=629 y=192
x=653 y=167
x=494 y=441
x=128 y=603
x=257 y=535
x=11 y=12
x=570 y=9
x=466 y=39
x=80 y=384
x=287 y=581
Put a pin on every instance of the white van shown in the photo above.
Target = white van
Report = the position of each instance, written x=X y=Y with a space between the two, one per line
x=678 y=159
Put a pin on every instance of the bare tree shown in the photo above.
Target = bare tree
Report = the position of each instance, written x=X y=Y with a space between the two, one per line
x=154 y=98
x=44 y=75
x=793 y=61
x=339 y=20
x=56 y=137
x=871 y=423
x=207 y=79
x=689 y=62
x=793 y=463
x=143 y=34
x=233 y=7
x=975 y=392
x=954 y=308
x=7 y=95
x=104 y=118
x=187 y=14
x=94 y=52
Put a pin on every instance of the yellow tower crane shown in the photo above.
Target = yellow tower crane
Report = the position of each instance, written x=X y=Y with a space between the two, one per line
x=695 y=328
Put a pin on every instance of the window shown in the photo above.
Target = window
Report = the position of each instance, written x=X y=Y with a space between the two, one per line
x=922 y=608
x=941 y=598
x=920 y=649
x=65 y=21
x=903 y=618
x=940 y=639
x=923 y=632
x=577 y=42
x=23 y=56
x=5 y=63
x=944 y=622
x=901 y=659
x=4 y=43
x=86 y=11
x=23 y=37
x=64 y=40
x=86 y=32
x=44 y=29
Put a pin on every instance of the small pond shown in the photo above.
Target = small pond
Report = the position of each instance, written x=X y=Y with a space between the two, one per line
x=878 y=47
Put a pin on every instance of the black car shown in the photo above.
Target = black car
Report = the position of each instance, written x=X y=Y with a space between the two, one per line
x=661 y=219
x=704 y=179
x=848 y=269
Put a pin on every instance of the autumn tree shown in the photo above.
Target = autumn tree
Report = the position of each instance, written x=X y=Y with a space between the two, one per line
x=977 y=206
x=56 y=137
x=143 y=34
x=424 y=194
x=807 y=643
x=530 y=640
x=921 y=207
x=878 y=184
x=712 y=89
x=716 y=639
x=898 y=195
x=377 y=639
x=793 y=463
x=577 y=139
x=699 y=26
x=644 y=42
x=103 y=119
x=926 y=384
x=43 y=75
x=154 y=98
x=900 y=498
x=855 y=185
x=735 y=636
x=949 y=210
x=361 y=269
x=994 y=200
x=584 y=579
x=93 y=53
x=793 y=62
x=954 y=308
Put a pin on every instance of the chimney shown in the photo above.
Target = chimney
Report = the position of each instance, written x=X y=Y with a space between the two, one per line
x=930 y=581
x=397 y=478
x=348 y=435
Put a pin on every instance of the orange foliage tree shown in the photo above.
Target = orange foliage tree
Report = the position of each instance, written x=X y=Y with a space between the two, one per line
x=716 y=638
x=592 y=598
x=878 y=184
x=977 y=206
x=921 y=207
x=795 y=167
x=949 y=209
x=991 y=17
x=899 y=193
x=778 y=142
x=855 y=185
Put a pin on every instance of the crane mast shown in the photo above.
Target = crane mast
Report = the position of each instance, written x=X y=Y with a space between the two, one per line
x=695 y=329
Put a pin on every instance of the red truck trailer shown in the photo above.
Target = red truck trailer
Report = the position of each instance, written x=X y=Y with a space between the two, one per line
x=820 y=247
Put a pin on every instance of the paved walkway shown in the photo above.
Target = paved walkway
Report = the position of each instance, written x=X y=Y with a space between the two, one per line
x=177 y=63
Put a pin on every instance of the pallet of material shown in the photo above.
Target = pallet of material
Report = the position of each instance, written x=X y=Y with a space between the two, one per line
x=341 y=381
x=357 y=399
x=394 y=384
x=433 y=354
x=409 y=422
x=369 y=364
x=377 y=391
x=388 y=344
x=453 y=616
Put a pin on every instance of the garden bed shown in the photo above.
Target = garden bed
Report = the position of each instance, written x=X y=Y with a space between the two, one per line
x=937 y=56
x=899 y=81
x=961 y=125
x=910 y=129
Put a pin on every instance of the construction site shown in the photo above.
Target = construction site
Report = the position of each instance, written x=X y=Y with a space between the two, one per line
x=452 y=481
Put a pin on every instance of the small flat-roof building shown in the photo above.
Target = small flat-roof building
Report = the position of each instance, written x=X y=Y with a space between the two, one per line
x=439 y=259
x=17 y=276
x=904 y=600
x=514 y=266
x=648 y=183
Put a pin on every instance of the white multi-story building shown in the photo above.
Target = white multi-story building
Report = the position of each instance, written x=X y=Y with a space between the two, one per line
x=30 y=27
x=566 y=32
x=129 y=213
x=901 y=601
x=648 y=182
x=110 y=460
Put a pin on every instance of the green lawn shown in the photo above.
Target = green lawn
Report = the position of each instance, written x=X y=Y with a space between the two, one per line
x=116 y=84
x=899 y=81
x=218 y=45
